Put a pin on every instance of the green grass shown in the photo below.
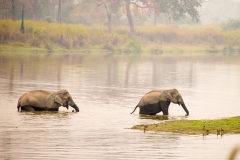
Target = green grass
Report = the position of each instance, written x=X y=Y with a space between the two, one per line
x=191 y=127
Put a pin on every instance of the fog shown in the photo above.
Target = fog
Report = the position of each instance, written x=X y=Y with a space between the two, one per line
x=218 y=11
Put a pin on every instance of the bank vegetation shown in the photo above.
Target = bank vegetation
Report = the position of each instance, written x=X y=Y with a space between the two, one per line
x=194 y=127
x=155 y=39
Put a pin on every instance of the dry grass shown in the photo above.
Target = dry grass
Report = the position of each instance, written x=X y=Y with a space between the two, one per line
x=69 y=36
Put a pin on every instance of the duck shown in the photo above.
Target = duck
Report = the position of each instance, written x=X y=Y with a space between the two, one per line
x=144 y=129
x=206 y=130
x=218 y=132
x=222 y=130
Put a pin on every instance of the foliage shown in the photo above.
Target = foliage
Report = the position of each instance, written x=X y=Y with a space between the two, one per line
x=134 y=45
x=39 y=9
x=231 y=24
x=105 y=12
x=95 y=11
x=69 y=36
x=173 y=9
x=229 y=125
x=177 y=9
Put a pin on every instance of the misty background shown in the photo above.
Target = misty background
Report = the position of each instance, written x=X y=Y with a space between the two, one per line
x=74 y=11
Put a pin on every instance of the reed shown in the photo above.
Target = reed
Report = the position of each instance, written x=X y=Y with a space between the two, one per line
x=69 y=36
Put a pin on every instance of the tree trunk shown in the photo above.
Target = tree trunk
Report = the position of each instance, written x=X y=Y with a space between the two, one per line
x=155 y=17
x=35 y=10
x=13 y=10
x=129 y=16
x=60 y=12
x=110 y=23
x=109 y=15
x=22 y=24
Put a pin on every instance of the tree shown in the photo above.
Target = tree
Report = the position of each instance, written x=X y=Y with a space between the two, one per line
x=177 y=9
x=110 y=7
x=22 y=24
x=86 y=12
x=60 y=11
x=173 y=9
x=4 y=7
x=13 y=10
x=97 y=11
x=129 y=16
x=31 y=7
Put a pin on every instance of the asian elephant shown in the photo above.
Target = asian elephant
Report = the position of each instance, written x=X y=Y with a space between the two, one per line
x=156 y=101
x=41 y=100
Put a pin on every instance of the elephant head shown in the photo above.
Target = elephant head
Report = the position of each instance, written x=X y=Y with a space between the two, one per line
x=63 y=98
x=175 y=97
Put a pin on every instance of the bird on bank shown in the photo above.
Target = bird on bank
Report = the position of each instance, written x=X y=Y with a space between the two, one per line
x=218 y=132
x=144 y=129
x=206 y=131
x=222 y=131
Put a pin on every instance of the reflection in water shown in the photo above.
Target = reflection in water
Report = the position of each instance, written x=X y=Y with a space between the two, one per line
x=106 y=89
x=155 y=117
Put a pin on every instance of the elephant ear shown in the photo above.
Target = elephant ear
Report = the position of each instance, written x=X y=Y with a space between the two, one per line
x=169 y=96
x=66 y=95
x=58 y=99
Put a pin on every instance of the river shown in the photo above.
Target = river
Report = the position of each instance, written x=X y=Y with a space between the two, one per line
x=106 y=89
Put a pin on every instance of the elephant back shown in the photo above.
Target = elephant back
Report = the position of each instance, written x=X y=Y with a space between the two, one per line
x=151 y=97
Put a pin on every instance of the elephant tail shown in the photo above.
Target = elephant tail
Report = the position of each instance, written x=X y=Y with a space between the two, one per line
x=134 y=109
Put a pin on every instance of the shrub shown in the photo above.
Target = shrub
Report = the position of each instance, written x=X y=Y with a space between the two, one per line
x=134 y=45
x=231 y=24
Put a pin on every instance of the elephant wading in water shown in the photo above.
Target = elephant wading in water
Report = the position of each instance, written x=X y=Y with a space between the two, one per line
x=159 y=100
x=41 y=100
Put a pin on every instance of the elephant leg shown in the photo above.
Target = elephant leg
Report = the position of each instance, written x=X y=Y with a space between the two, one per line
x=45 y=109
x=51 y=109
x=164 y=106
x=150 y=109
x=27 y=108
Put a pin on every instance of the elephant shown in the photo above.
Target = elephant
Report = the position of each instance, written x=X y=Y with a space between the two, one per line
x=156 y=101
x=42 y=100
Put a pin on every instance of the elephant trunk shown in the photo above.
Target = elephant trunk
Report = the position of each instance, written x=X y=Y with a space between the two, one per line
x=76 y=108
x=185 y=109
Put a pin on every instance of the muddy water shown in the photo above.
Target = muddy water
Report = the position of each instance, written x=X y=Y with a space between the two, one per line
x=106 y=89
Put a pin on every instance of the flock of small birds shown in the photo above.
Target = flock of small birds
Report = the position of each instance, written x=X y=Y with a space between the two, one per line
x=219 y=131
x=205 y=131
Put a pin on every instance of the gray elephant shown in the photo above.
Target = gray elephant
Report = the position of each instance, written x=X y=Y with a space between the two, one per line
x=159 y=100
x=41 y=100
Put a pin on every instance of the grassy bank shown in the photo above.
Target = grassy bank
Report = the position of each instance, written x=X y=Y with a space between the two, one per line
x=153 y=39
x=229 y=126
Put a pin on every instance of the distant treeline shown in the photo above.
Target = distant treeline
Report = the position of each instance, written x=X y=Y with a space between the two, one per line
x=69 y=36
x=104 y=12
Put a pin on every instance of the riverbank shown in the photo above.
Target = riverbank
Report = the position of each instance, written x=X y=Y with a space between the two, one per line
x=50 y=37
x=168 y=49
x=193 y=127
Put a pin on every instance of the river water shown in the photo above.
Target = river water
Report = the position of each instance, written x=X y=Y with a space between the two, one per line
x=106 y=89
